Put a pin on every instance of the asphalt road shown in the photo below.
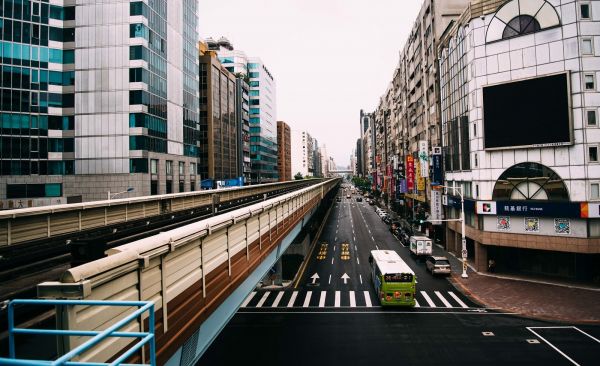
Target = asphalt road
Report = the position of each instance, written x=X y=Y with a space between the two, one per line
x=334 y=318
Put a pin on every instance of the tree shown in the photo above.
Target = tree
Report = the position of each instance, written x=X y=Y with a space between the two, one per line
x=298 y=176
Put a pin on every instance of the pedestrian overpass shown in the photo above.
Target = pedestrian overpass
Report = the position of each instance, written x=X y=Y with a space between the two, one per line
x=196 y=276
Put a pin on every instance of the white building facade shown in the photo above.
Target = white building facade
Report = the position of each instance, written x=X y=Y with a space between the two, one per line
x=519 y=105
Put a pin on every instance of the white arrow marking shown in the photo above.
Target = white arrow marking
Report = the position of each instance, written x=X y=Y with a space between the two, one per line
x=314 y=277
x=345 y=277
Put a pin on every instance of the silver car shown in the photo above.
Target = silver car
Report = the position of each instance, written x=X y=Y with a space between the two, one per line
x=438 y=265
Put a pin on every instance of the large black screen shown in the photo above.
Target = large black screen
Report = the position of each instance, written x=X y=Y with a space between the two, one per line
x=528 y=112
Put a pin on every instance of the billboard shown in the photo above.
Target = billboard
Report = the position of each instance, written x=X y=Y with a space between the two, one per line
x=530 y=112
x=410 y=173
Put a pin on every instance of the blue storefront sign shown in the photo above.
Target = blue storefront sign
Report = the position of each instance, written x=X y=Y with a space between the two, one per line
x=538 y=209
x=401 y=186
x=436 y=170
x=454 y=201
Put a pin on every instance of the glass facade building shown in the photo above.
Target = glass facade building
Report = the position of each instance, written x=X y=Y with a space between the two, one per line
x=93 y=96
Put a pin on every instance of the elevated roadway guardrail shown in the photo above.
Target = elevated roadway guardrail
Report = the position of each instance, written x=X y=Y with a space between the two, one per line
x=196 y=275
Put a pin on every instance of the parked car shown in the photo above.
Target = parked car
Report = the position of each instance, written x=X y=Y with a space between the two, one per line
x=387 y=219
x=339 y=199
x=438 y=265
x=370 y=201
x=394 y=226
x=359 y=199
x=348 y=196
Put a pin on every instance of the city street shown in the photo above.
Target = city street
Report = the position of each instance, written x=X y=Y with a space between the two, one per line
x=334 y=317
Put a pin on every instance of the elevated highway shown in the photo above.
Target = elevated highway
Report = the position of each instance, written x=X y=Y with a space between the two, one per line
x=196 y=276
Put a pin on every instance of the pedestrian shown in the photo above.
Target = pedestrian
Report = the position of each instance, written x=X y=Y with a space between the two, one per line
x=491 y=266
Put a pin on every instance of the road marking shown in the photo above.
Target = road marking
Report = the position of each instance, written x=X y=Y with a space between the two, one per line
x=335 y=238
x=292 y=299
x=551 y=345
x=357 y=261
x=263 y=299
x=354 y=237
x=334 y=247
x=329 y=280
x=277 y=299
x=375 y=244
x=359 y=276
x=355 y=248
x=248 y=299
x=322 y=299
x=332 y=260
x=428 y=299
x=307 y=299
x=368 y=299
x=417 y=305
x=352 y=300
x=459 y=301
x=446 y=303
x=337 y=299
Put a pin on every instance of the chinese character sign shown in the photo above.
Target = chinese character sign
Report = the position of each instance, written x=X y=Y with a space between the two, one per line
x=437 y=174
x=410 y=173
x=423 y=159
x=420 y=179
x=436 y=207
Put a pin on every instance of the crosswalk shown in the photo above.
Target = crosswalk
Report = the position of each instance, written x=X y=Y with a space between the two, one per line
x=340 y=299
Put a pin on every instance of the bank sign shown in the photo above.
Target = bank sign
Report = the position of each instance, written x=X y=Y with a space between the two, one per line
x=538 y=209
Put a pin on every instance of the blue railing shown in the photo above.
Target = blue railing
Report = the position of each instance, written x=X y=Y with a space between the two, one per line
x=98 y=336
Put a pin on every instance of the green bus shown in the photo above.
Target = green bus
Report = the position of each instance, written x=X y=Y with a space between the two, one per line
x=394 y=281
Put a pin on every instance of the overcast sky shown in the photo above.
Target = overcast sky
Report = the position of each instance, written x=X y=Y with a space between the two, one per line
x=329 y=58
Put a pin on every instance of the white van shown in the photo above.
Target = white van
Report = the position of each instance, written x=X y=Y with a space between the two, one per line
x=421 y=246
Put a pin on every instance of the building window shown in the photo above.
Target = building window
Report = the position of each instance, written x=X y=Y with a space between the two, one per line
x=192 y=168
x=154 y=166
x=181 y=168
x=169 y=167
x=594 y=228
x=591 y=117
x=584 y=11
x=594 y=191
x=587 y=46
x=592 y=154
x=520 y=25
x=589 y=82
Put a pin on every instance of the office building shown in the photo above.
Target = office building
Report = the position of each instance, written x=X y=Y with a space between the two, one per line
x=262 y=109
x=284 y=152
x=93 y=103
x=302 y=153
x=218 y=121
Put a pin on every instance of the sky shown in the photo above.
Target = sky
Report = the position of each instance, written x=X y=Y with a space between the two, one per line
x=329 y=58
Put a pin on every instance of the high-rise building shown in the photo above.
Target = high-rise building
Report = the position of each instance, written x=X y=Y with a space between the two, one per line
x=262 y=109
x=92 y=102
x=302 y=153
x=243 y=114
x=218 y=121
x=324 y=161
x=284 y=152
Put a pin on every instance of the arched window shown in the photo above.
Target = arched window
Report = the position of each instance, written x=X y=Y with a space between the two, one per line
x=520 y=25
x=518 y=17
x=530 y=181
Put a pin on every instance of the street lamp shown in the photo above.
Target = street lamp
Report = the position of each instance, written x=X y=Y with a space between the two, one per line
x=462 y=225
x=111 y=196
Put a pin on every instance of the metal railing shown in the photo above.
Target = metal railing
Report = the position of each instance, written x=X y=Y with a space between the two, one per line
x=98 y=336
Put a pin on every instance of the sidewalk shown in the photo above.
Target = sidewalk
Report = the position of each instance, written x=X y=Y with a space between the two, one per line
x=545 y=300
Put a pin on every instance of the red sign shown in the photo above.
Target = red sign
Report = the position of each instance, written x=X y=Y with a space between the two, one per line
x=410 y=173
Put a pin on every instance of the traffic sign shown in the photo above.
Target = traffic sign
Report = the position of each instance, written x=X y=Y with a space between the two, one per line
x=464 y=253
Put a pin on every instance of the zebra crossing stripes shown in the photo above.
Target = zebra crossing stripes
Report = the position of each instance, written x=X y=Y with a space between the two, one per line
x=428 y=299
x=292 y=299
x=262 y=300
x=459 y=301
x=443 y=299
x=277 y=299
x=344 y=299
x=368 y=299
